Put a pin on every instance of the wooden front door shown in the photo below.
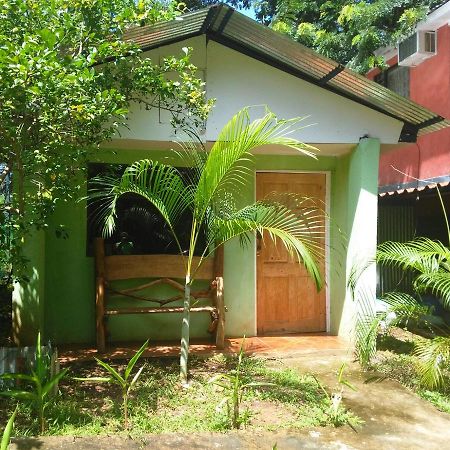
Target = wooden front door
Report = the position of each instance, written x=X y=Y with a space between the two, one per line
x=287 y=300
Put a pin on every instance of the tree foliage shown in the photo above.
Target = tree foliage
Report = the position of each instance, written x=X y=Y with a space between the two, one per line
x=193 y=5
x=67 y=79
x=348 y=31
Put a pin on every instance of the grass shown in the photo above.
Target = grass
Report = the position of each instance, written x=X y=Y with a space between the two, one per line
x=159 y=404
x=394 y=361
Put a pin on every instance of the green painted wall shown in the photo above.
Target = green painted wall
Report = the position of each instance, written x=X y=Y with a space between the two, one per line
x=362 y=214
x=69 y=273
x=28 y=297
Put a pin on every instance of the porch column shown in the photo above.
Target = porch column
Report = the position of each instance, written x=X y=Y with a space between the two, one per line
x=28 y=296
x=362 y=209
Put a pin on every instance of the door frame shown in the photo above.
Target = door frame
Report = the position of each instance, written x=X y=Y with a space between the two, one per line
x=327 y=174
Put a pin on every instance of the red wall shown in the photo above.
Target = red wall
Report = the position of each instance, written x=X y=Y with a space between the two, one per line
x=430 y=87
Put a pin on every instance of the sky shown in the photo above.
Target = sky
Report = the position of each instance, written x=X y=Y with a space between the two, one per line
x=248 y=12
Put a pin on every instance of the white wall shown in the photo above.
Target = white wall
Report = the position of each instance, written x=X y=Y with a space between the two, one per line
x=236 y=80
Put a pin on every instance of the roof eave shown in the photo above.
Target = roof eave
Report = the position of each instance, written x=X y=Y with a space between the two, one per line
x=213 y=25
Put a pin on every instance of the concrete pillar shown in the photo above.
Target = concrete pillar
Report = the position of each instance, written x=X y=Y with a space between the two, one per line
x=362 y=210
x=354 y=231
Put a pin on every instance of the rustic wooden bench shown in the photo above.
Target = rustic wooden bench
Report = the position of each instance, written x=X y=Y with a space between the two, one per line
x=158 y=270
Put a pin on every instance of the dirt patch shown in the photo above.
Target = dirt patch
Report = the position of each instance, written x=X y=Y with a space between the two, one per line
x=269 y=415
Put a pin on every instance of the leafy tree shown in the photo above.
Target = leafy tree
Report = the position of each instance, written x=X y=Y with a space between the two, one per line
x=193 y=5
x=348 y=31
x=213 y=194
x=67 y=78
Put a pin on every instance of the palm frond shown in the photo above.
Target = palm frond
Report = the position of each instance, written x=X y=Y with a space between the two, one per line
x=159 y=184
x=228 y=165
x=430 y=259
x=193 y=154
x=300 y=231
x=403 y=310
x=422 y=254
x=432 y=355
x=366 y=332
x=438 y=283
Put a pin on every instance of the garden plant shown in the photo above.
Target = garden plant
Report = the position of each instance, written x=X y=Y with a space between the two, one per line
x=125 y=381
x=428 y=262
x=6 y=436
x=336 y=398
x=41 y=382
x=234 y=386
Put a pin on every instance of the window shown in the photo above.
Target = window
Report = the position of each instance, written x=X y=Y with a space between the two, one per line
x=140 y=229
x=396 y=78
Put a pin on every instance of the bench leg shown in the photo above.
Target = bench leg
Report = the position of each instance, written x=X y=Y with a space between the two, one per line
x=100 y=314
x=220 y=330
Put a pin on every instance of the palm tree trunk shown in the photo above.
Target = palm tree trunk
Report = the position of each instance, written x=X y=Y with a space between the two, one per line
x=184 y=355
x=125 y=409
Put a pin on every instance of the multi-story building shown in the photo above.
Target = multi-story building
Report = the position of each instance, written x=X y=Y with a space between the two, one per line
x=409 y=204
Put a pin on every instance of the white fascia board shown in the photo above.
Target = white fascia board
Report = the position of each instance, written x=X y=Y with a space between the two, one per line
x=387 y=52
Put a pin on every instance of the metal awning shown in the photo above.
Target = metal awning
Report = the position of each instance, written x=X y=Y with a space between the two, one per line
x=223 y=24
x=414 y=186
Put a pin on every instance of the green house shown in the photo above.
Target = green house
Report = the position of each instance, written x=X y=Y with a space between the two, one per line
x=350 y=120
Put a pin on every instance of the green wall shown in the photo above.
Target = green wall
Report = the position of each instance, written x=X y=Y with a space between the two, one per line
x=67 y=274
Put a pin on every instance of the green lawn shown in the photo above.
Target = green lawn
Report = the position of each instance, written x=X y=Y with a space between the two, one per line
x=159 y=404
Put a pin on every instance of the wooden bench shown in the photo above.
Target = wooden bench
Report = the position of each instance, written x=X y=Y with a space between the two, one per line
x=160 y=270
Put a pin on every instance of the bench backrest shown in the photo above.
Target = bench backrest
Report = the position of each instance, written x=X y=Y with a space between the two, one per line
x=125 y=267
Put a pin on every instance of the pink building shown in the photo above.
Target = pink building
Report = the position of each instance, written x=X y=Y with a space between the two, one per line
x=419 y=68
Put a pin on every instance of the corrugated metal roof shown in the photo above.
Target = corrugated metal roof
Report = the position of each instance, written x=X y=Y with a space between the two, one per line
x=234 y=30
x=414 y=186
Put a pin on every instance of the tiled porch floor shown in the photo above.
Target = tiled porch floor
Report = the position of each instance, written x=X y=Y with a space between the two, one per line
x=270 y=345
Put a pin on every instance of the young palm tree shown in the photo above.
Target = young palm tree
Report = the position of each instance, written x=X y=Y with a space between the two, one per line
x=430 y=263
x=212 y=194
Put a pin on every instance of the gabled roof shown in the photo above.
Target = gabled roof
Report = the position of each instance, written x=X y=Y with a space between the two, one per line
x=232 y=29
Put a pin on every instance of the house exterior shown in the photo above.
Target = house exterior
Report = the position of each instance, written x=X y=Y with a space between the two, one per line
x=352 y=120
x=408 y=175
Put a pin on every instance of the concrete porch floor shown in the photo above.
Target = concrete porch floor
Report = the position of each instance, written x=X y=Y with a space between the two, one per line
x=264 y=345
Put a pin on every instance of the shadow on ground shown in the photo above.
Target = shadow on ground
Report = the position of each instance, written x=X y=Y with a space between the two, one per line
x=394 y=419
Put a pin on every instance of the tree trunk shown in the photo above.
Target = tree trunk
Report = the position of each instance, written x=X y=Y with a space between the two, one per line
x=184 y=355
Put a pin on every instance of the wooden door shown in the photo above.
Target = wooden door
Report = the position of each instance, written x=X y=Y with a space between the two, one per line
x=287 y=299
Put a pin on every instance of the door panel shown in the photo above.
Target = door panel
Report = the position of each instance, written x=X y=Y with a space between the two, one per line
x=287 y=300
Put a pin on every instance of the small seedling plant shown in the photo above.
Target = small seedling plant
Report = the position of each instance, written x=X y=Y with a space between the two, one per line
x=125 y=381
x=234 y=386
x=41 y=383
x=335 y=398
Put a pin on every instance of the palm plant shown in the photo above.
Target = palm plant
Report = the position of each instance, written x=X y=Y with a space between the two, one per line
x=125 y=381
x=40 y=383
x=234 y=385
x=430 y=263
x=212 y=194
